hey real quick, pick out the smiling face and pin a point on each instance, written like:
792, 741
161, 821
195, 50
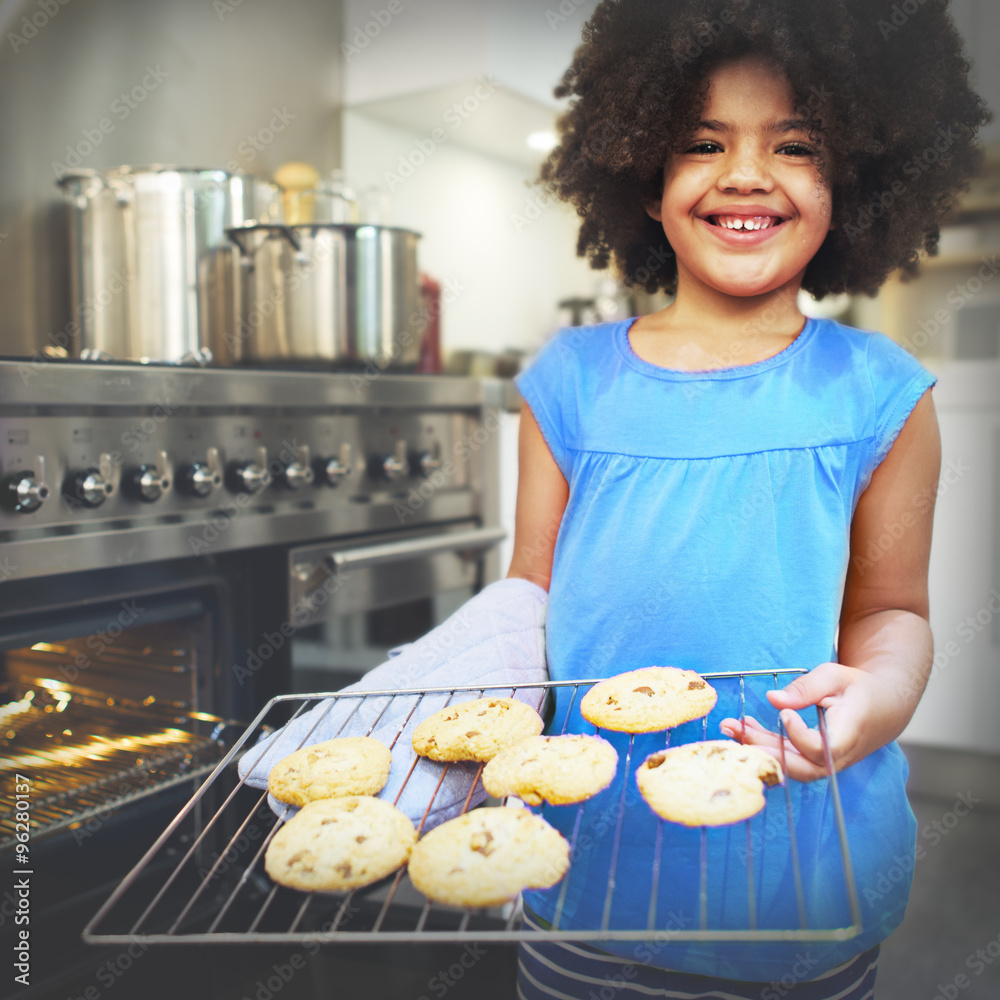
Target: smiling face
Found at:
744, 206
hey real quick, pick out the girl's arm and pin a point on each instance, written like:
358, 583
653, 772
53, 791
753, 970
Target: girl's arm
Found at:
885, 644
542, 492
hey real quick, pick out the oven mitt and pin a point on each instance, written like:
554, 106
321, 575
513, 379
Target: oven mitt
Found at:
496, 640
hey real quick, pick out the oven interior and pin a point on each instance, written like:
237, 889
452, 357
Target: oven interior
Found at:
107, 717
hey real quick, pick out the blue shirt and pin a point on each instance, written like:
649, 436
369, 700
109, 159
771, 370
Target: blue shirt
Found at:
708, 528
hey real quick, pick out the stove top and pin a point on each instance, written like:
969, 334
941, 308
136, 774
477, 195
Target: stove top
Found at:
104, 462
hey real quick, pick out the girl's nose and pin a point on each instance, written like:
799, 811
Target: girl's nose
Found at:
745, 174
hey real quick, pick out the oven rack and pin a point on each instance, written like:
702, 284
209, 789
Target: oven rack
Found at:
88, 762
196, 904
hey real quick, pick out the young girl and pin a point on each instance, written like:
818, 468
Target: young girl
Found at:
728, 485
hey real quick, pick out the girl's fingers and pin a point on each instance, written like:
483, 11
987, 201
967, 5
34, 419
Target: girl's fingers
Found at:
821, 682
734, 728
797, 765
807, 741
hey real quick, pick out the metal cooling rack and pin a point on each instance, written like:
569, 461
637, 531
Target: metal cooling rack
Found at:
223, 895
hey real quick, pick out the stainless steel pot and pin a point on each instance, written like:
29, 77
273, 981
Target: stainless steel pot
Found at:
154, 277
342, 293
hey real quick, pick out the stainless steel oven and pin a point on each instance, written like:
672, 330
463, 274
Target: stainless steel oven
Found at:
176, 547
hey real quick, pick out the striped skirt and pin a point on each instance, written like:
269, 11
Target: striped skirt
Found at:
560, 970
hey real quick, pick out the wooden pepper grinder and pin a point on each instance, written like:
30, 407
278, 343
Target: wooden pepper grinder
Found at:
298, 181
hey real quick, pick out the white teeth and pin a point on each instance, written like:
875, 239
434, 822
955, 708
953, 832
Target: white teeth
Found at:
753, 224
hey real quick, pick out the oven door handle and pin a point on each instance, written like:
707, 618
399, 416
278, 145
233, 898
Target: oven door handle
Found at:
373, 555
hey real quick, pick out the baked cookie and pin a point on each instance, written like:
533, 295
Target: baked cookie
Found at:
340, 844
349, 765
476, 730
487, 856
557, 769
707, 784
648, 700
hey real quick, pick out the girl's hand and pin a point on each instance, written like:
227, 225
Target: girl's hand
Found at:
858, 705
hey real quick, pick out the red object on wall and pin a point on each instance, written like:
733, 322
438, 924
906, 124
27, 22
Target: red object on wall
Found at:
430, 337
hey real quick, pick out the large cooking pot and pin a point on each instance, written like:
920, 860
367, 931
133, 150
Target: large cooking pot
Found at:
154, 277
343, 293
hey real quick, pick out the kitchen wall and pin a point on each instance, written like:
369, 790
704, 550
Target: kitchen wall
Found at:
211, 83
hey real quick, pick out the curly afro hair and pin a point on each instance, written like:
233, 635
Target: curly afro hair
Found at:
883, 86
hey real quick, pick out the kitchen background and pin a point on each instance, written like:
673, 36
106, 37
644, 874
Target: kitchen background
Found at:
426, 106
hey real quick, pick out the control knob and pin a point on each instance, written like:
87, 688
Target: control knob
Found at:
430, 461
392, 468
201, 478
92, 486
332, 470
24, 492
299, 473
251, 477
149, 482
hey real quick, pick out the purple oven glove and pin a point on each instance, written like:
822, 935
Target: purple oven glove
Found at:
496, 640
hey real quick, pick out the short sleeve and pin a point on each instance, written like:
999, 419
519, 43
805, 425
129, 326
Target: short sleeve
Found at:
898, 381
542, 384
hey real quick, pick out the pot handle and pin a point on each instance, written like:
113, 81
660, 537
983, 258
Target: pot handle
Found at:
81, 197
242, 237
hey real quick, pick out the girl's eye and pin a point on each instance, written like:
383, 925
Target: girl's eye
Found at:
797, 149
705, 146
